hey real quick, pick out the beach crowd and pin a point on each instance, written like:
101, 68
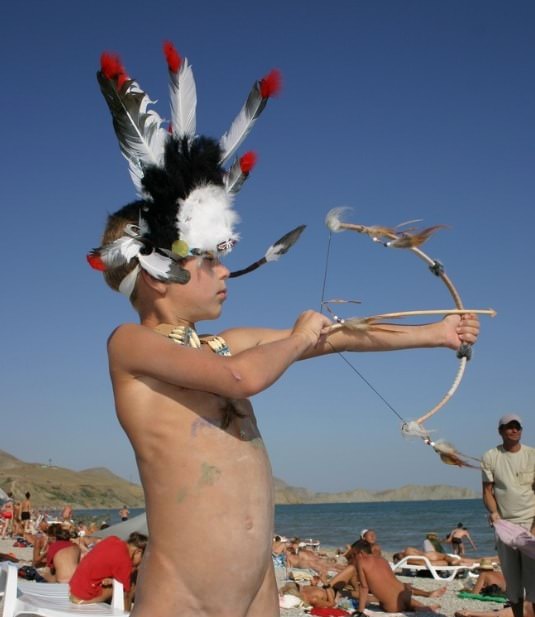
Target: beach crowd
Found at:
311, 580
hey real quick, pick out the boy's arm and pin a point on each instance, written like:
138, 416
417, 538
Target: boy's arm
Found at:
449, 333
137, 351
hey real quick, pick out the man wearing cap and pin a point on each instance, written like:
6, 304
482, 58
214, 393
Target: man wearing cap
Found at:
508, 493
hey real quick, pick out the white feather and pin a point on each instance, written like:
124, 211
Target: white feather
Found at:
334, 218
183, 93
206, 219
158, 266
128, 284
120, 251
274, 252
413, 429
147, 143
243, 123
139, 130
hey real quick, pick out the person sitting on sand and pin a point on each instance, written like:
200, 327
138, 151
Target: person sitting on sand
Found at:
112, 558
40, 543
369, 536
62, 556
375, 577
346, 582
432, 543
278, 551
488, 578
502, 612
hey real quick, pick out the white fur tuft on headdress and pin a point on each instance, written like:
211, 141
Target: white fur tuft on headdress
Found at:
206, 220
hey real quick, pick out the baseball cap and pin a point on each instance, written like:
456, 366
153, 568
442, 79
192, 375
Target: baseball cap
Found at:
509, 417
363, 533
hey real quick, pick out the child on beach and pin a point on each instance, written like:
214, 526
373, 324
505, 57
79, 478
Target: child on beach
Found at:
112, 558
183, 399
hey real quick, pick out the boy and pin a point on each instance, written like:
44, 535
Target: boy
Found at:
183, 400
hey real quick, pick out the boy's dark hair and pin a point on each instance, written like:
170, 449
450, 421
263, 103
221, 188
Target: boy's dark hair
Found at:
139, 540
27, 494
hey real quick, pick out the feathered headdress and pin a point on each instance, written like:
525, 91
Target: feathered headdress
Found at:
186, 195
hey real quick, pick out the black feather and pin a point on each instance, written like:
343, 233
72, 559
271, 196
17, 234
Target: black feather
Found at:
187, 165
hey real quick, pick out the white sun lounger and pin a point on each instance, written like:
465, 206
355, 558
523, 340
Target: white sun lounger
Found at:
50, 599
440, 573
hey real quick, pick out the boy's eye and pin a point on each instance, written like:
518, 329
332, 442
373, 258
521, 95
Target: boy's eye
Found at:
211, 258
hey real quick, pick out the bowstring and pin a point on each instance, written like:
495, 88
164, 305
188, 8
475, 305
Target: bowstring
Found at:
342, 356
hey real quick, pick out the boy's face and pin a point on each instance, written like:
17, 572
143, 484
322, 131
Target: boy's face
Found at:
203, 295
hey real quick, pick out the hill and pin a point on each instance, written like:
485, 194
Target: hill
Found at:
52, 486
98, 487
285, 494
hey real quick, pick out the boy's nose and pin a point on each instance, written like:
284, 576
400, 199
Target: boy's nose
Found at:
225, 272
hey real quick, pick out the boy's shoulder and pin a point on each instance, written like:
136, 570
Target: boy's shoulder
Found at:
124, 330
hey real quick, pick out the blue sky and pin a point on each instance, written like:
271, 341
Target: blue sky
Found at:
419, 109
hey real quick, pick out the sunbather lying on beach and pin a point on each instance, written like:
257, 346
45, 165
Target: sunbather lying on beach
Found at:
502, 612
305, 558
317, 596
375, 577
435, 558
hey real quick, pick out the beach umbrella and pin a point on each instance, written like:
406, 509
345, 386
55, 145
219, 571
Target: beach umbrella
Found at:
125, 528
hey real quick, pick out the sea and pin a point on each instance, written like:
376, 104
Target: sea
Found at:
398, 524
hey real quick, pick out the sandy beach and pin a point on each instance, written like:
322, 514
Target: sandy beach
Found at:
449, 602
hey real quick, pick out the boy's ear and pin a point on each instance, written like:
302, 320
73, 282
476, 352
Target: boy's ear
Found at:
152, 283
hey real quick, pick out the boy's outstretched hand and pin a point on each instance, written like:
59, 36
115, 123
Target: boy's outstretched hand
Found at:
312, 326
460, 329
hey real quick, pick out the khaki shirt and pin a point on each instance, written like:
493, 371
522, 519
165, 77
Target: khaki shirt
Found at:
513, 477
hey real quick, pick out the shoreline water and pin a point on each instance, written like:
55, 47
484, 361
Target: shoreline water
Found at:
398, 524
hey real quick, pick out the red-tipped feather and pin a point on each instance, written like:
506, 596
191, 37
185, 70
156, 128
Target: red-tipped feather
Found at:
270, 85
94, 260
248, 161
113, 69
172, 56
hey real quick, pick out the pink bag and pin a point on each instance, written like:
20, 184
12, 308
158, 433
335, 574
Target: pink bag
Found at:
515, 536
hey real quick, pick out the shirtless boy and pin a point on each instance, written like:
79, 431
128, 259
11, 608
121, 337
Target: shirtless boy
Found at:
184, 402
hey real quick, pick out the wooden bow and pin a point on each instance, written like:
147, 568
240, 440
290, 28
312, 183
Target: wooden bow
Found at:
412, 240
